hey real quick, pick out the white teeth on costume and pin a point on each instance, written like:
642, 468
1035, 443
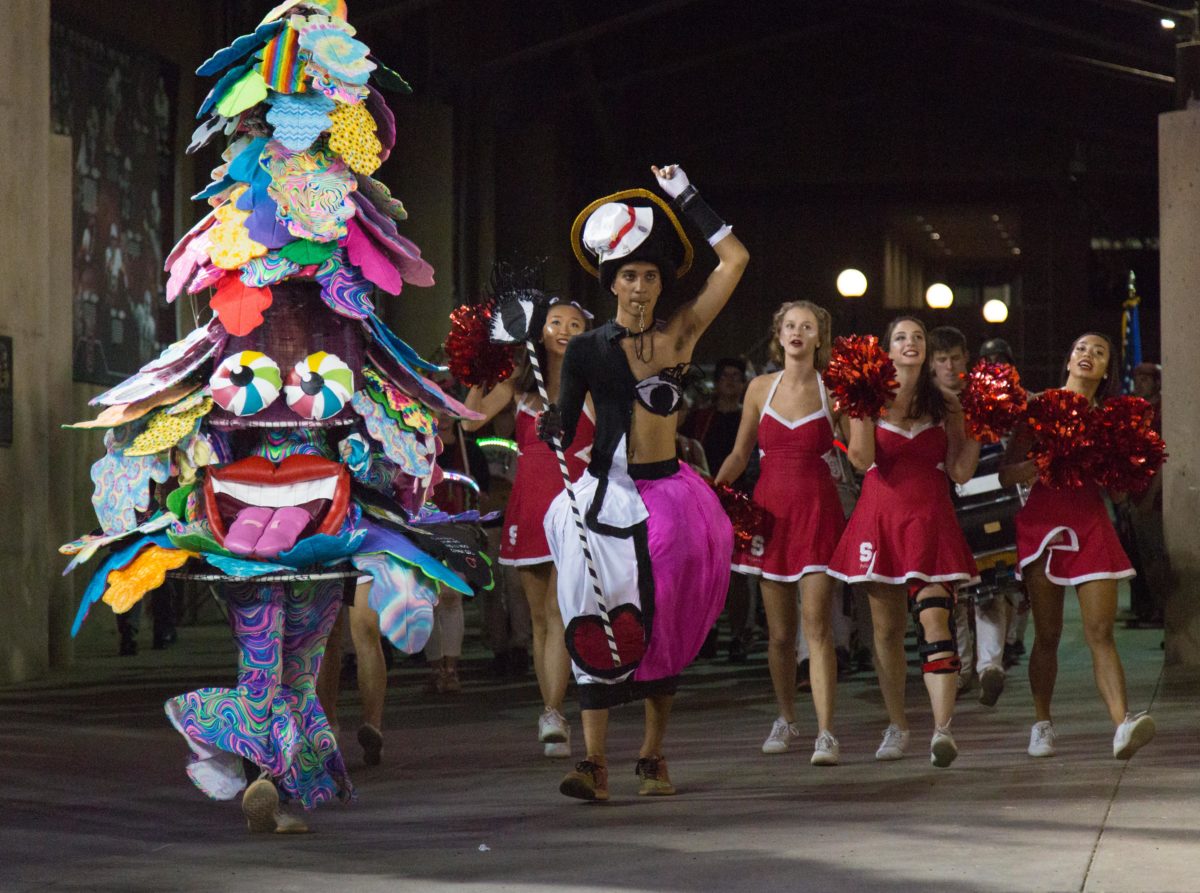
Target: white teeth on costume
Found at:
277, 495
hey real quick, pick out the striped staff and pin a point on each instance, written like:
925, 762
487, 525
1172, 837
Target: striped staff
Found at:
512, 321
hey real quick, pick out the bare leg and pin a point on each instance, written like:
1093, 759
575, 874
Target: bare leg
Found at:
942, 687
779, 602
816, 602
1098, 606
889, 617
595, 734
658, 711
536, 581
1046, 605
329, 680
372, 669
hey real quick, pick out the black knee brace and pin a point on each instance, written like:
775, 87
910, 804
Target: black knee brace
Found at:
941, 665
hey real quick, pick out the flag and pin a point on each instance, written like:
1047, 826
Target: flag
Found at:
1131, 336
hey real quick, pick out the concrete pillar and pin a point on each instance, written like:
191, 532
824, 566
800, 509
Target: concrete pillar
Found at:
25, 316
1179, 210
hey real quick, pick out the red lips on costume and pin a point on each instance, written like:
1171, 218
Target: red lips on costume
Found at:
243, 495
588, 646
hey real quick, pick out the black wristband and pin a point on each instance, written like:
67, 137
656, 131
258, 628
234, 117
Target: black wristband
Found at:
696, 209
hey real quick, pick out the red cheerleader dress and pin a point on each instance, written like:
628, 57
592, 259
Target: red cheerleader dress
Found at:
904, 527
797, 488
1073, 528
538, 481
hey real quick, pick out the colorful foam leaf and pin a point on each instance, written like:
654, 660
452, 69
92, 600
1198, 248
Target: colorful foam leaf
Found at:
306, 251
239, 306
248, 92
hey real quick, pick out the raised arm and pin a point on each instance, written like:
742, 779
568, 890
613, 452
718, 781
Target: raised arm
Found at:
693, 318
739, 457
491, 404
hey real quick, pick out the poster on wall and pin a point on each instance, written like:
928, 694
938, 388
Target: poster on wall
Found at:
6, 391
117, 105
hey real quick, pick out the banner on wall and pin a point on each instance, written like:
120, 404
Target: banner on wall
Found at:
118, 106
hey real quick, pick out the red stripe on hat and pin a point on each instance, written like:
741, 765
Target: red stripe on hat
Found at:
624, 231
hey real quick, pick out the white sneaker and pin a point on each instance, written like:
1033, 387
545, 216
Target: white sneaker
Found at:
783, 733
825, 750
1132, 734
1041, 739
556, 749
895, 742
552, 727
942, 748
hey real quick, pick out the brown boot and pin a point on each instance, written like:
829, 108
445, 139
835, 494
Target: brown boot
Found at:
587, 781
260, 806
655, 780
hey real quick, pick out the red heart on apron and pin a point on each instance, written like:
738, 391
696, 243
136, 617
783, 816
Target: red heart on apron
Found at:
588, 645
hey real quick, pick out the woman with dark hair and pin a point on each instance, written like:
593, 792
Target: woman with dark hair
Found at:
903, 539
1065, 538
538, 480
642, 596
788, 415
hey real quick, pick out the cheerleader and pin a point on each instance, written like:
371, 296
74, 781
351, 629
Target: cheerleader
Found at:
903, 539
788, 414
1065, 538
657, 540
538, 480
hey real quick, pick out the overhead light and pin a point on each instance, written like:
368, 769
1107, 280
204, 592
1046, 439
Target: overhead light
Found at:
935, 236
851, 283
995, 218
1168, 24
995, 311
939, 296
1015, 250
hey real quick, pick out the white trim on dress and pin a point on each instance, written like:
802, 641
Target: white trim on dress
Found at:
777, 578
1048, 550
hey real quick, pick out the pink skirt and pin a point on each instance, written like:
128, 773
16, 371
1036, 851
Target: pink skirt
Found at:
689, 538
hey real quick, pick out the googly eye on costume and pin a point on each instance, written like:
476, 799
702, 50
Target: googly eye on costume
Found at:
246, 383
319, 386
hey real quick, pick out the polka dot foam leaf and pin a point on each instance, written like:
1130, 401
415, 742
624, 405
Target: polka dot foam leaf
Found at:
165, 430
353, 137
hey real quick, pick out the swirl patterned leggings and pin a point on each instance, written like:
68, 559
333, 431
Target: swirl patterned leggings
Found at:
272, 717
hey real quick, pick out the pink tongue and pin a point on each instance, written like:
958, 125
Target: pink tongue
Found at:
282, 531
246, 529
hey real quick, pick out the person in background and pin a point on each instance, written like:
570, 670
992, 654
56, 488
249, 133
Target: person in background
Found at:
980, 644
997, 350
1065, 538
444, 648
538, 481
715, 427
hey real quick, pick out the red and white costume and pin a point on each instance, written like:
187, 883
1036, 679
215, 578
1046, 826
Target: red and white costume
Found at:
1073, 525
797, 488
904, 528
537, 482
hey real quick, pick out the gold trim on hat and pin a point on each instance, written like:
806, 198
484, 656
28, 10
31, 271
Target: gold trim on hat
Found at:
581, 219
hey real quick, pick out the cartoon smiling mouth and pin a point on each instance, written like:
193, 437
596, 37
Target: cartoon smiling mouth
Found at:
259, 509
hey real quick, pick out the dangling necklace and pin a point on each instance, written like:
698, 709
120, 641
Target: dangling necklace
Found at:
639, 346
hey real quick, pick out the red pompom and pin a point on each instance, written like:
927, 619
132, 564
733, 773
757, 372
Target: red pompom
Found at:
1063, 424
860, 376
993, 401
473, 359
1129, 452
748, 517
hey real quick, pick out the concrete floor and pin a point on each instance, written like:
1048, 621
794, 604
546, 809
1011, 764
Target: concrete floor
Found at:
95, 798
